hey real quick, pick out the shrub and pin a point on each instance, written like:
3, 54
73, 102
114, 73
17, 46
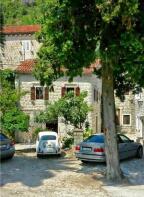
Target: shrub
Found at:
68, 142
87, 133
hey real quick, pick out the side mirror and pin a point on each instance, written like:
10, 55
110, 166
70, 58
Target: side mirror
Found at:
132, 141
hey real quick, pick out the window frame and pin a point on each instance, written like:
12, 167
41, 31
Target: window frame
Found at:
26, 45
129, 120
39, 97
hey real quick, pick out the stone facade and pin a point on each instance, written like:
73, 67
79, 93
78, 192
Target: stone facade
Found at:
139, 111
20, 44
125, 112
87, 83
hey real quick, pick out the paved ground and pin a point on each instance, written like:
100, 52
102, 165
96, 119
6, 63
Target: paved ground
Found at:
27, 176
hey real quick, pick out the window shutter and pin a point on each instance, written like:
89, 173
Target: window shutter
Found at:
46, 93
32, 93
94, 95
77, 91
63, 91
118, 117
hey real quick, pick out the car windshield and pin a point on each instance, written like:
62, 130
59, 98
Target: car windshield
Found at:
95, 138
2, 137
48, 137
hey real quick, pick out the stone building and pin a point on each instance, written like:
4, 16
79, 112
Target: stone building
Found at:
139, 111
125, 115
20, 44
38, 97
19, 54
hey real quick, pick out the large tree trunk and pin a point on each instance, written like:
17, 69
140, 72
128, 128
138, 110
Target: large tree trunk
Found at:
111, 148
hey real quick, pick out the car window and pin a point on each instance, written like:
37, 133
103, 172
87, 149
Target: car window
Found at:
2, 137
95, 138
48, 137
124, 139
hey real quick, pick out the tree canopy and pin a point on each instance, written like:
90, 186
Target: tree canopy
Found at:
74, 33
74, 110
19, 12
12, 118
84, 31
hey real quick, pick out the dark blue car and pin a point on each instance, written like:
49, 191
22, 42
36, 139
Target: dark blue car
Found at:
7, 148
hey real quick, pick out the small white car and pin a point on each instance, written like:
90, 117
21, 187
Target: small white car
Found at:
48, 143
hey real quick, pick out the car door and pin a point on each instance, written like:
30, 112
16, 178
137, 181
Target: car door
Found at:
126, 147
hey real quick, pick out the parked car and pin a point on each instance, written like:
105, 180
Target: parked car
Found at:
93, 149
7, 148
48, 143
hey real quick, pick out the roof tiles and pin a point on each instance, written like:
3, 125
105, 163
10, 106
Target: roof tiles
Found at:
21, 29
26, 67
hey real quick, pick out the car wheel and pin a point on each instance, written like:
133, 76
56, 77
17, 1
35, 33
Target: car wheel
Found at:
38, 156
83, 161
10, 157
140, 152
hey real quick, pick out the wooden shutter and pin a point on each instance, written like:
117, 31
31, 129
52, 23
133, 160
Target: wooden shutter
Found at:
117, 118
77, 91
33, 93
94, 95
63, 91
46, 95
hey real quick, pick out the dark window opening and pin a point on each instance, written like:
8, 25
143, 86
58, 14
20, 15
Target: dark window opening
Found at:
126, 119
39, 92
70, 90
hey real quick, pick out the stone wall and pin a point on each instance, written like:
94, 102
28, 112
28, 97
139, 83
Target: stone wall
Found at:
139, 106
13, 52
126, 108
86, 83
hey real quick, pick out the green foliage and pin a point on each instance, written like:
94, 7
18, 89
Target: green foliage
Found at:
2, 37
67, 142
14, 120
87, 133
18, 13
50, 115
74, 33
74, 109
9, 96
68, 38
36, 131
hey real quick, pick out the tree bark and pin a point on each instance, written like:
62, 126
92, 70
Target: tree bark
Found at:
111, 147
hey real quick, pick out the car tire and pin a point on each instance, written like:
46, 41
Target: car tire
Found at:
140, 152
10, 157
38, 156
84, 162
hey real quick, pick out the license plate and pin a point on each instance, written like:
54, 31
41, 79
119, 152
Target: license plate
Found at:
86, 148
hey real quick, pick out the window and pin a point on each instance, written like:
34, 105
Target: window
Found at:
2, 137
26, 45
124, 139
48, 137
69, 90
126, 119
95, 138
39, 92
65, 90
